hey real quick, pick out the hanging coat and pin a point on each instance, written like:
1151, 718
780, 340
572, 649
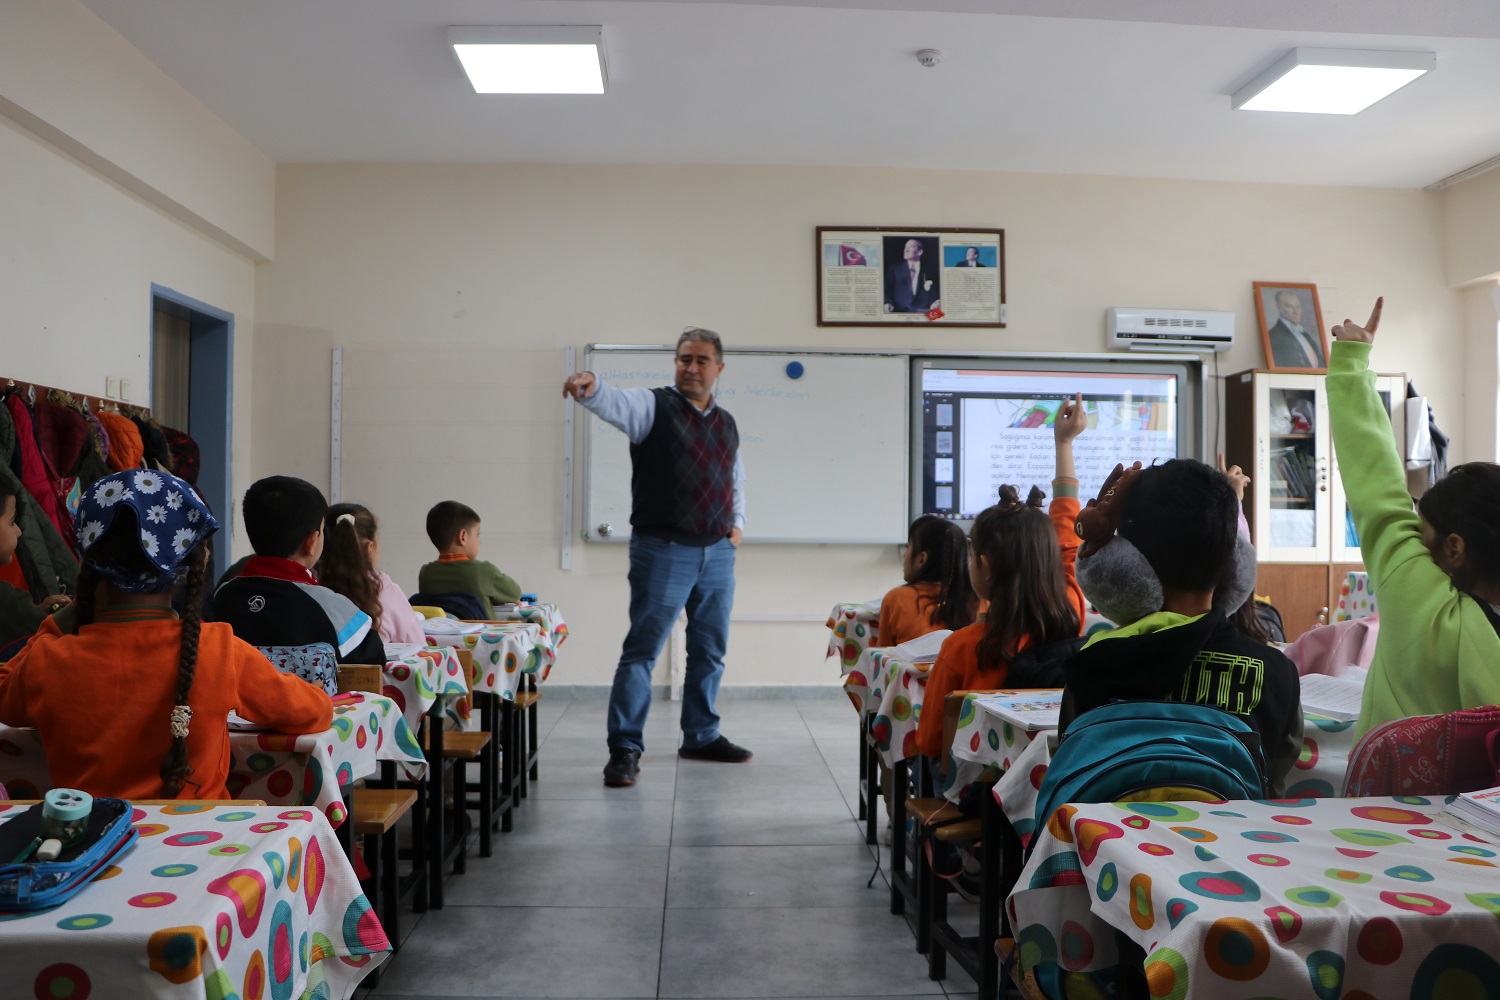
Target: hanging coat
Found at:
46, 560
37, 475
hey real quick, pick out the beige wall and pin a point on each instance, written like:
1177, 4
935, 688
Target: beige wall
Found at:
1471, 220
455, 289
87, 127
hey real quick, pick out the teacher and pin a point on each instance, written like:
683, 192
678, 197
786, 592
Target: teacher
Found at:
687, 511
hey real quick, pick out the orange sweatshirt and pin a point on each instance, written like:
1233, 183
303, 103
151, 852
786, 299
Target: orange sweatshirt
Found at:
907, 612
102, 701
957, 667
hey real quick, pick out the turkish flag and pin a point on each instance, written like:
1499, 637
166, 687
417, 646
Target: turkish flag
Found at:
852, 257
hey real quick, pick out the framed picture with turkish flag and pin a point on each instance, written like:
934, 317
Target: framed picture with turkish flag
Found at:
888, 276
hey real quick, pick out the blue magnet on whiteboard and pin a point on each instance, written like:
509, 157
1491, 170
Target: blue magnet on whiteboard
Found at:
794, 369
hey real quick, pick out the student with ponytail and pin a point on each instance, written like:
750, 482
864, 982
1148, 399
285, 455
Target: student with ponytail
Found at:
1021, 562
135, 703
350, 566
936, 593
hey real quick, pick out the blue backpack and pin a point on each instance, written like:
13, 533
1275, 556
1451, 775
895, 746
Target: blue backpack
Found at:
1155, 750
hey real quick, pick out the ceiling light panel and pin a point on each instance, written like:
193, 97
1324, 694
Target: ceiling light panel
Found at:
1331, 81
532, 59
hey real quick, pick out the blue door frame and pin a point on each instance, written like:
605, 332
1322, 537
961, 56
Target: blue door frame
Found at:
210, 409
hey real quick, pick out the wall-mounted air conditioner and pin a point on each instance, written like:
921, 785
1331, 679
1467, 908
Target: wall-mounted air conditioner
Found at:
1169, 329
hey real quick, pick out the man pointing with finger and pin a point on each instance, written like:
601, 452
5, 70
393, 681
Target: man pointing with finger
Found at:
687, 513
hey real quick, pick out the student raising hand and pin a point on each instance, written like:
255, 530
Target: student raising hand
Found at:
1348, 330
1236, 477
1071, 420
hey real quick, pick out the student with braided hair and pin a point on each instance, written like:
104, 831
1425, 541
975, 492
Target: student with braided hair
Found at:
936, 593
1020, 562
135, 702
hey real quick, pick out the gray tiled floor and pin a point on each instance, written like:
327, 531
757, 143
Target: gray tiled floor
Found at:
705, 880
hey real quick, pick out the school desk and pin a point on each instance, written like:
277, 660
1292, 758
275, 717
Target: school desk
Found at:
855, 628
1317, 773
1301, 899
312, 769
211, 902
554, 630
503, 652
415, 677
888, 692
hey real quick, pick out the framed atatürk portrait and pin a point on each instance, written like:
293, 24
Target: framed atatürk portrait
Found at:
884, 276
1291, 326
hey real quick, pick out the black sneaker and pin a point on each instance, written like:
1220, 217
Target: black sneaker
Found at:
719, 749
622, 767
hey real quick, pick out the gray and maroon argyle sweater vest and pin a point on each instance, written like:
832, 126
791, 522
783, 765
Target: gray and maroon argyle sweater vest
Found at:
682, 474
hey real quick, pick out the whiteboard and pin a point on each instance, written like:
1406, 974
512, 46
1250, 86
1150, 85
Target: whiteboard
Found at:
825, 454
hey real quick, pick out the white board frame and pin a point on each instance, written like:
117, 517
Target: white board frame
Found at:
588, 532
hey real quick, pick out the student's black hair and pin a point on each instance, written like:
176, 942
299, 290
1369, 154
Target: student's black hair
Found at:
1028, 591
120, 547
947, 566
7, 491
345, 566
1466, 503
280, 511
446, 519
1247, 620
1183, 516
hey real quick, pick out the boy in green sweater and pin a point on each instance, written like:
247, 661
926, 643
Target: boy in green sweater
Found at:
454, 529
1436, 569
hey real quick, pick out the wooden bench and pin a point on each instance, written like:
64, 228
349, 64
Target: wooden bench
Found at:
374, 814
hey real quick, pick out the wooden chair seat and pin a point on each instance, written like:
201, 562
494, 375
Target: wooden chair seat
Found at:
932, 810
462, 744
964, 830
525, 699
376, 810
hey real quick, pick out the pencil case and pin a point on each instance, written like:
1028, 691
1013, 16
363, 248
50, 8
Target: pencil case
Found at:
39, 885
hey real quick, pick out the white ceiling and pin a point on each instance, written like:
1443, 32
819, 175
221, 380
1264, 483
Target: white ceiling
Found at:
1122, 87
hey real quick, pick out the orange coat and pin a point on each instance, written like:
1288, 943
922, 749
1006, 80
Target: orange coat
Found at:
908, 611
102, 702
957, 667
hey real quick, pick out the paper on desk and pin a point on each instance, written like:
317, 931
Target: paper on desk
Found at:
451, 626
401, 650
240, 724
1331, 697
1031, 710
871, 607
922, 649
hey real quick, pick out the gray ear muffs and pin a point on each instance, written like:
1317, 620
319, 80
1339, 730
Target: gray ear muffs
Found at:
1237, 585
1119, 582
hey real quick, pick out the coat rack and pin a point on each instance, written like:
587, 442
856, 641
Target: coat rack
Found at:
91, 404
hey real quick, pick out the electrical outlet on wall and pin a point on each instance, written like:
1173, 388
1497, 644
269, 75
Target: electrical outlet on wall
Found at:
111, 387
124, 388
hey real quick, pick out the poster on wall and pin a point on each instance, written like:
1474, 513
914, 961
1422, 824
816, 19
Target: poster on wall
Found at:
885, 276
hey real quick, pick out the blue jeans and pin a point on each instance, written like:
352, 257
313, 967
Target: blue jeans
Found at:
665, 578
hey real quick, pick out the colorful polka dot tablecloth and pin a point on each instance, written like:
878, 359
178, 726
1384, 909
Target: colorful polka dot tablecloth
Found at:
1355, 598
1317, 773
984, 746
889, 691
211, 903
1301, 899
855, 628
419, 676
307, 770
503, 653
554, 631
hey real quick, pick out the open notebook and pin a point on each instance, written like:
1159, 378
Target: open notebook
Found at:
1032, 710
922, 649
1336, 698
451, 626
1478, 809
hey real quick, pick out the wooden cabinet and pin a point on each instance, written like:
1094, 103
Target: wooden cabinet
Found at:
1276, 428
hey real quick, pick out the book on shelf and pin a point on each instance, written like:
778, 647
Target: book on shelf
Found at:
922, 649
1480, 810
1032, 710
1336, 698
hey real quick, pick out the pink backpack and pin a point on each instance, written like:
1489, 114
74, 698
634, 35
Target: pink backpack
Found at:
1427, 755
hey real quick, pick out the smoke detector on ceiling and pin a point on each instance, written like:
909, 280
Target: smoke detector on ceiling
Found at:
929, 57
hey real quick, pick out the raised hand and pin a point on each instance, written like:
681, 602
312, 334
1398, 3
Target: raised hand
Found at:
579, 385
1348, 330
1236, 476
1071, 420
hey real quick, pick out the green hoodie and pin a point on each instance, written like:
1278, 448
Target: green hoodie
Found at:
1437, 652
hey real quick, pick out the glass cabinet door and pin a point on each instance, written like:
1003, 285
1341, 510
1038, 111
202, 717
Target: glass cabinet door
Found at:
1344, 539
1292, 472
